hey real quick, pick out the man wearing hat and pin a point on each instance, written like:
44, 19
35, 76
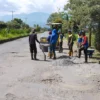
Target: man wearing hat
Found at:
32, 43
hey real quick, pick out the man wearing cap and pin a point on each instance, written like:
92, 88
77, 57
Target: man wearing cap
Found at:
32, 44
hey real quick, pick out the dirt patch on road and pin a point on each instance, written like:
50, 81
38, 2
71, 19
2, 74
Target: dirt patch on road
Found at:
53, 79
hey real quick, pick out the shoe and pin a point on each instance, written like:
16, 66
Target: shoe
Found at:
72, 54
85, 62
48, 54
69, 53
32, 58
36, 59
70, 57
35, 56
54, 58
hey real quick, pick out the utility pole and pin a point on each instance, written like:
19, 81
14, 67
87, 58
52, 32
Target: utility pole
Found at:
25, 22
12, 14
12, 17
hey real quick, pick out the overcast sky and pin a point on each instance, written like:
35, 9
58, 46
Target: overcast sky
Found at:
29, 6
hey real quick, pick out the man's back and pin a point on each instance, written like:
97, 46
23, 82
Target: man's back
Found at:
32, 38
54, 36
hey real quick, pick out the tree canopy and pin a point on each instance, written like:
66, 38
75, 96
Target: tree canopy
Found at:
86, 13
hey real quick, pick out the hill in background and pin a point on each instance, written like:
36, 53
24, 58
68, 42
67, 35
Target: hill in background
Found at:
31, 19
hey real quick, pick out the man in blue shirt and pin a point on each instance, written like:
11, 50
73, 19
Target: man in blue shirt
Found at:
53, 41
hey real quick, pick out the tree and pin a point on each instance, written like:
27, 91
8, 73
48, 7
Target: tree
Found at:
18, 21
13, 24
2, 25
95, 16
17, 24
37, 27
86, 13
53, 17
60, 17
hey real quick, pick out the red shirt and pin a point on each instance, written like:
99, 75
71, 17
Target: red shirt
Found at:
85, 39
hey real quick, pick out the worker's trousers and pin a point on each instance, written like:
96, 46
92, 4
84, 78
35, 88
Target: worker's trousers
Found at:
85, 53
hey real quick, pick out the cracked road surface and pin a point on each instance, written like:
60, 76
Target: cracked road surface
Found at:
61, 79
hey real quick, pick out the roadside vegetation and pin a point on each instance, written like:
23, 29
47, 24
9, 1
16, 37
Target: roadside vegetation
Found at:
13, 29
16, 28
80, 15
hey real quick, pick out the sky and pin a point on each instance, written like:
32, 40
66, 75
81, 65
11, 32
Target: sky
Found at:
30, 6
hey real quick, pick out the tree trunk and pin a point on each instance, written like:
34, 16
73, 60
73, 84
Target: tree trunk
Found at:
97, 37
90, 33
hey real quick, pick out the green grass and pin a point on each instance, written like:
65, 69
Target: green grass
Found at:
10, 36
4, 35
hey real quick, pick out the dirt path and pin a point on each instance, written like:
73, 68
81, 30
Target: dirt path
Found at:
61, 79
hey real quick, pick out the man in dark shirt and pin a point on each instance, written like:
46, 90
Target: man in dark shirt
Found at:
70, 43
32, 43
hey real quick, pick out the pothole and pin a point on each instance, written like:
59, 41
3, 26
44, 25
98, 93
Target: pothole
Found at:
10, 96
14, 52
63, 62
52, 79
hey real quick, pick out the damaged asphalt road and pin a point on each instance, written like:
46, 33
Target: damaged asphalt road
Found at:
61, 79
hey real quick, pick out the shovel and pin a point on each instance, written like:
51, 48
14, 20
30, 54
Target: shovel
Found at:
41, 47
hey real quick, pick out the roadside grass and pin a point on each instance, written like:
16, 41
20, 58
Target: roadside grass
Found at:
11, 36
13, 33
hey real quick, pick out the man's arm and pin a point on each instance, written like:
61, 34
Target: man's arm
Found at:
29, 39
37, 39
48, 38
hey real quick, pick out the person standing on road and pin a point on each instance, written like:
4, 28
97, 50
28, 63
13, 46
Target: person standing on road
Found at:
32, 44
70, 43
60, 42
48, 39
84, 46
79, 42
53, 41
